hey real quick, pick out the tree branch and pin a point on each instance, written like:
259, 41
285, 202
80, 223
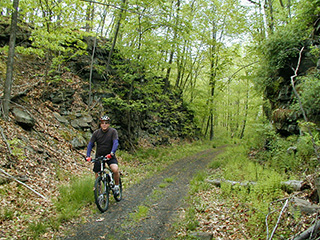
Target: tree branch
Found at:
254, 2
248, 65
7, 175
111, 5
276, 226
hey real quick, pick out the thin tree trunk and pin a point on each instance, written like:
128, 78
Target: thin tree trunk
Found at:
246, 107
115, 36
89, 18
207, 126
212, 80
91, 64
91, 70
11, 177
167, 82
12, 43
269, 3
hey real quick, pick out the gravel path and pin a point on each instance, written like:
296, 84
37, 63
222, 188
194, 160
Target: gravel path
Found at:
160, 197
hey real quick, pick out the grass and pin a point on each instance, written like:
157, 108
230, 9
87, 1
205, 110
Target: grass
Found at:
235, 165
169, 179
140, 214
73, 197
37, 228
266, 190
189, 222
146, 162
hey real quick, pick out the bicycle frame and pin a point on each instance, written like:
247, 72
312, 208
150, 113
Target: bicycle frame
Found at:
103, 171
105, 179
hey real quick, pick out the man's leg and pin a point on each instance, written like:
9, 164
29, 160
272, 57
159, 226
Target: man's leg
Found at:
115, 169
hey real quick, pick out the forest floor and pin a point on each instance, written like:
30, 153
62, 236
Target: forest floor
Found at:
148, 209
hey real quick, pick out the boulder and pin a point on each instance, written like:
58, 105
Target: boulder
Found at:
82, 122
23, 118
60, 118
79, 142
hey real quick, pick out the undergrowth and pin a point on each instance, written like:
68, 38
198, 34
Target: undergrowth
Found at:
252, 176
264, 186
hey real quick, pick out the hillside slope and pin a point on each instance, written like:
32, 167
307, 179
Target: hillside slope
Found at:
48, 152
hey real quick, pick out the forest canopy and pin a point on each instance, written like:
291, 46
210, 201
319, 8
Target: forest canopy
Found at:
228, 59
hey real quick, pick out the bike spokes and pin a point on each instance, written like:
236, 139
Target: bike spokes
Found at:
101, 194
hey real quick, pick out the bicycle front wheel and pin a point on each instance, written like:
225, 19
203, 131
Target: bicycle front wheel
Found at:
101, 194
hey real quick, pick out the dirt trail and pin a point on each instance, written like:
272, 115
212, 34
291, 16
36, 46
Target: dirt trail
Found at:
162, 199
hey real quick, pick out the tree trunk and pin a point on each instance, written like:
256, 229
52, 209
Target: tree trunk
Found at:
115, 36
12, 43
212, 80
246, 107
173, 48
89, 16
269, 4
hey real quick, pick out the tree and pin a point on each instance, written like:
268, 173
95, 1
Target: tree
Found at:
115, 37
10, 62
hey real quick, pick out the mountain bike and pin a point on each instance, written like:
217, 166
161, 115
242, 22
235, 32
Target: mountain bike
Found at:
104, 184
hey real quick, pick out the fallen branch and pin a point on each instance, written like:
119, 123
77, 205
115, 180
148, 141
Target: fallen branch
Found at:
288, 186
309, 232
279, 218
217, 182
5, 140
7, 175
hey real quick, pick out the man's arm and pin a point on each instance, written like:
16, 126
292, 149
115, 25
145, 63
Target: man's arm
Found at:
89, 148
114, 146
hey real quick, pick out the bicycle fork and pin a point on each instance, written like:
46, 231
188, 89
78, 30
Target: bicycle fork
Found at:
110, 180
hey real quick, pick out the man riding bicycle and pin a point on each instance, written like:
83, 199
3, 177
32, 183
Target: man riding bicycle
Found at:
106, 139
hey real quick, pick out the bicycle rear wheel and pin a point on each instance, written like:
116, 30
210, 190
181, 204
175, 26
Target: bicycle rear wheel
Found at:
118, 197
101, 194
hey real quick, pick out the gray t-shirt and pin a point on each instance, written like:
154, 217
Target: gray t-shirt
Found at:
104, 140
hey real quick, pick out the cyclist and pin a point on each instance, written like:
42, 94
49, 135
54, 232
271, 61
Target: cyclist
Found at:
106, 140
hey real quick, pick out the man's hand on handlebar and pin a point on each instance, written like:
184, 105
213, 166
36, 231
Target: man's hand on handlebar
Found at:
109, 156
89, 159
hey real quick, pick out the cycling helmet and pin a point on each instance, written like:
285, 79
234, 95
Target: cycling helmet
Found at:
105, 118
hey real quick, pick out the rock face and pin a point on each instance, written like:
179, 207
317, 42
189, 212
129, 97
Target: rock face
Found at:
140, 107
280, 92
23, 34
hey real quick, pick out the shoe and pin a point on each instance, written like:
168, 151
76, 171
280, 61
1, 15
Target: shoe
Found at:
116, 190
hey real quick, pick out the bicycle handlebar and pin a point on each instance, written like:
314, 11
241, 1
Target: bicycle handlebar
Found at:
101, 158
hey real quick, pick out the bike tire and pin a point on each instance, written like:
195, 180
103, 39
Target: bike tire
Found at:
119, 196
101, 194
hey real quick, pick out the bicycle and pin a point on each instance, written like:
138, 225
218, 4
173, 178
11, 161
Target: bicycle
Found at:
104, 183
